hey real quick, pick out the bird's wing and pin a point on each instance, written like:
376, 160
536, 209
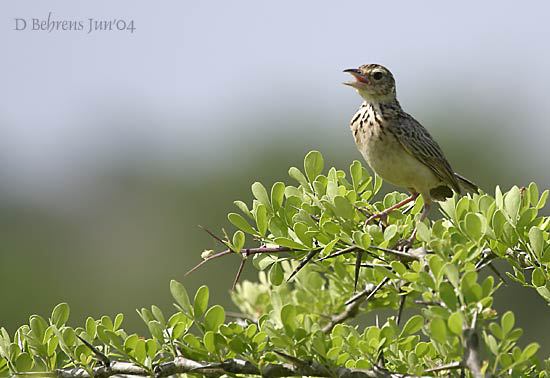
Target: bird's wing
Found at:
418, 142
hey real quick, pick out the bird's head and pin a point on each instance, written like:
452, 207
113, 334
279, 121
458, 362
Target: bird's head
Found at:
373, 82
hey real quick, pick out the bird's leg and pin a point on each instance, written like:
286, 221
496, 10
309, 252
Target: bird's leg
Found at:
384, 214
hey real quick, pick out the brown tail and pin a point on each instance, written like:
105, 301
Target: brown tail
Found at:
467, 184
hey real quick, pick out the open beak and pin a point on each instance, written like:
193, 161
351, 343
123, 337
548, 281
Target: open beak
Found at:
361, 81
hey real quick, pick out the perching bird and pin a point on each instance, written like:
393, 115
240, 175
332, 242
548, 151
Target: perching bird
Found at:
396, 146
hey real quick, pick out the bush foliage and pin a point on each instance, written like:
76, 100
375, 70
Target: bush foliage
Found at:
319, 268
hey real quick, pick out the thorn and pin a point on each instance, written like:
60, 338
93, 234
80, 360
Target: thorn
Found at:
100, 356
303, 263
216, 237
339, 253
220, 254
401, 306
241, 266
368, 293
358, 261
492, 267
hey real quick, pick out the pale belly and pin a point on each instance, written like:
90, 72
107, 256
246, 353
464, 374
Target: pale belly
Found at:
389, 160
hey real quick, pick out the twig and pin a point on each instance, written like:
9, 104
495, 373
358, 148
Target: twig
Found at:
428, 303
239, 271
401, 255
181, 365
350, 312
451, 366
248, 251
471, 354
239, 315
367, 292
303, 263
369, 265
216, 237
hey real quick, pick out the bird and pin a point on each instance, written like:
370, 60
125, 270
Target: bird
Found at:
397, 147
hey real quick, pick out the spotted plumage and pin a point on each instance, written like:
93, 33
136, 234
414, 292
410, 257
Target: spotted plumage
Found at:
396, 146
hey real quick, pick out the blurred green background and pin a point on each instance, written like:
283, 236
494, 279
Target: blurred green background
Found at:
114, 147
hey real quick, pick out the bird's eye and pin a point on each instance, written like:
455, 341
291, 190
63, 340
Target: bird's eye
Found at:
377, 75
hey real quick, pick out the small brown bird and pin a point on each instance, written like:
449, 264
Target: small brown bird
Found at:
396, 146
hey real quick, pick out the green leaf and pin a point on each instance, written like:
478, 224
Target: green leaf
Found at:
140, 352
107, 322
91, 327
455, 323
356, 171
238, 221
533, 194
344, 208
152, 347
179, 330
498, 221
529, 351
327, 250
542, 200
390, 232
289, 243
209, 342
448, 295
200, 303
277, 194
238, 241
180, 295
23, 362
438, 330
297, 175
474, 224
214, 317
288, 316
261, 219
512, 202
60, 314
242, 206
313, 165
260, 193
536, 240
452, 273
507, 322
423, 232
538, 277
544, 292
119, 318
413, 325
157, 313
156, 330
276, 274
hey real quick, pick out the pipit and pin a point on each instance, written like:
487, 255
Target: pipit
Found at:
396, 146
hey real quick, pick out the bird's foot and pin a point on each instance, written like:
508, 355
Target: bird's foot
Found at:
404, 245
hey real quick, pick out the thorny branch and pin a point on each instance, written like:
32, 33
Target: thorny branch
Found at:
182, 365
350, 311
